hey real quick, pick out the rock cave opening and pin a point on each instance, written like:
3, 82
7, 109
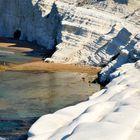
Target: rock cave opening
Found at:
17, 34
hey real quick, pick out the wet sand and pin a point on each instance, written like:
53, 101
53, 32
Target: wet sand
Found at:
37, 64
53, 67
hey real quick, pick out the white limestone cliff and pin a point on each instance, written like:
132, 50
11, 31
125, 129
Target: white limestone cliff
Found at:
110, 114
93, 32
128, 54
83, 31
37, 20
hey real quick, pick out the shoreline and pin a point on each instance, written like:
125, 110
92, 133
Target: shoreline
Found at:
51, 67
37, 64
55, 67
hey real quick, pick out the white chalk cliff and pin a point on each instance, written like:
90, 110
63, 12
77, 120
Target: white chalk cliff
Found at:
103, 33
110, 114
83, 31
37, 20
99, 33
94, 32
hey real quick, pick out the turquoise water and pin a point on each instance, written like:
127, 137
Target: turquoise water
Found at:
25, 96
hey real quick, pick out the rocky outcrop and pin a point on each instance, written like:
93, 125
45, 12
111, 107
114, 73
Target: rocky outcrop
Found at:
38, 21
110, 114
127, 54
81, 31
91, 36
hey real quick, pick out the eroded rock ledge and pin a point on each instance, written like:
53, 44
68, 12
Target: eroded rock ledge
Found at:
81, 31
98, 33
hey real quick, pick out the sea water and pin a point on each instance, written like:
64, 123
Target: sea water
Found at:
25, 96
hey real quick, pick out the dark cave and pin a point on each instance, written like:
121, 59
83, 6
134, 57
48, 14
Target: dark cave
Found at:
17, 34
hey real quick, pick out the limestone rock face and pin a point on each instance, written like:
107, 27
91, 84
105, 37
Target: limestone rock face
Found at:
128, 55
93, 30
83, 31
37, 20
110, 114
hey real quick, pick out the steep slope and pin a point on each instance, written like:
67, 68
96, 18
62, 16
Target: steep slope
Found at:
83, 31
37, 20
110, 114
91, 34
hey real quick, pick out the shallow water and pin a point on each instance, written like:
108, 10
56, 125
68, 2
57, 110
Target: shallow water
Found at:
15, 57
25, 96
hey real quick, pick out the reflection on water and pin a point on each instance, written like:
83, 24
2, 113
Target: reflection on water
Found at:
10, 56
26, 96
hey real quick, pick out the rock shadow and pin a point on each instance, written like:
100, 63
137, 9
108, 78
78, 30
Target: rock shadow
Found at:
52, 33
111, 47
121, 1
